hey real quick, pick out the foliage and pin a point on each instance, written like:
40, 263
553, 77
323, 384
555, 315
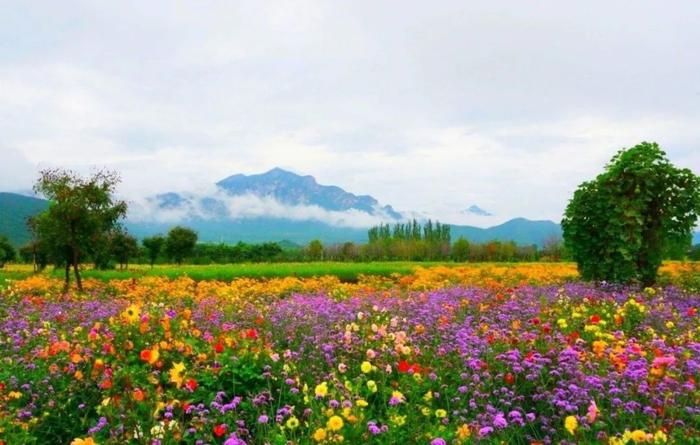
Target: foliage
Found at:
154, 245
180, 243
315, 250
619, 225
460, 250
123, 247
7, 252
80, 213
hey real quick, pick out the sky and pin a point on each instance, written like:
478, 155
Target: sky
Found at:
427, 106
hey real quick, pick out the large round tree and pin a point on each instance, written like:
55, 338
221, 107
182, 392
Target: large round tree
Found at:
618, 225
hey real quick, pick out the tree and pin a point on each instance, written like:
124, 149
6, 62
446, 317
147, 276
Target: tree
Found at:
80, 213
180, 243
123, 247
619, 225
153, 245
460, 249
694, 253
7, 252
315, 250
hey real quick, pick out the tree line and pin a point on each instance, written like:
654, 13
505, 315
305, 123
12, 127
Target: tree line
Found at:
618, 227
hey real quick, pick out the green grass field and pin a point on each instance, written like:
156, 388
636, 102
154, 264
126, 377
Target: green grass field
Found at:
225, 272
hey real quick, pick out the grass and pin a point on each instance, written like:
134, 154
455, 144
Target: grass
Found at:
348, 272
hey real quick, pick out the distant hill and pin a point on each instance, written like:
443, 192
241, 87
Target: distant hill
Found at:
16, 208
520, 230
14, 211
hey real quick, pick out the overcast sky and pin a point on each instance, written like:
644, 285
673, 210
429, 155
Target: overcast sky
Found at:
428, 106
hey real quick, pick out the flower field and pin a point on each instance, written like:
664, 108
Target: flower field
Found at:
444, 355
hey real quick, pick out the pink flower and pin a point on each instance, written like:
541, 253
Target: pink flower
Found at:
666, 360
592, 412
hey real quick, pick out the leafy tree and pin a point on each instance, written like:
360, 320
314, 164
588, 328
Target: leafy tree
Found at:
619, 225
315, 250
460, 249
123, 247
7, 252
34, 252
153, 245
80, 213
694, 253
180, 243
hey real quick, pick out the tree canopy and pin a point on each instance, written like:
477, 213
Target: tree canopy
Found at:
80, 213
619, 225
180, 243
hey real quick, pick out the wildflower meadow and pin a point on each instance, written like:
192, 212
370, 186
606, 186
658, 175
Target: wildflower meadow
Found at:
519, 355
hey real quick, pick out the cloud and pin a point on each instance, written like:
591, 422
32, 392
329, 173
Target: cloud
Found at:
429, 107
218, 205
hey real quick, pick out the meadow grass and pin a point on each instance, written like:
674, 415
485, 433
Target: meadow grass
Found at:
225, 272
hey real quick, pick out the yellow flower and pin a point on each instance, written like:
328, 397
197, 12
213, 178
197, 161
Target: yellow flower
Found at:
463, 432
335, 423
320, 435
292, 423
361, 403
440, 413
87, 441
570, 423
131, 313
366, 367
321, 389
638, 436
398, 420
428, 396
660, 437
176, 373
372, 385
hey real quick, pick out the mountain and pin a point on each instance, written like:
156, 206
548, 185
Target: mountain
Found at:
292, 189
476, 210
255, 230
520, 230
14, 211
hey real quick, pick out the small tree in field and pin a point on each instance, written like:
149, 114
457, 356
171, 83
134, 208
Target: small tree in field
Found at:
460, 249
180, 243
7, 252
153, 245
315, 250
619, 225
80, 213
123, 247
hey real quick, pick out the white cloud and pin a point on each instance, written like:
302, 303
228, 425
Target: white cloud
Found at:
426, 106
247, 206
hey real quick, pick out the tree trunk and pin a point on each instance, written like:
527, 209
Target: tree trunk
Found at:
67, 283
76, 269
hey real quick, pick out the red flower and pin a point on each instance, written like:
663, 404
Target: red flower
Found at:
219, 348
415, 368
535, 321
146, 355
404, 366
595, 318
220, 430
251, 333
191, 384
692, 311
509, 379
